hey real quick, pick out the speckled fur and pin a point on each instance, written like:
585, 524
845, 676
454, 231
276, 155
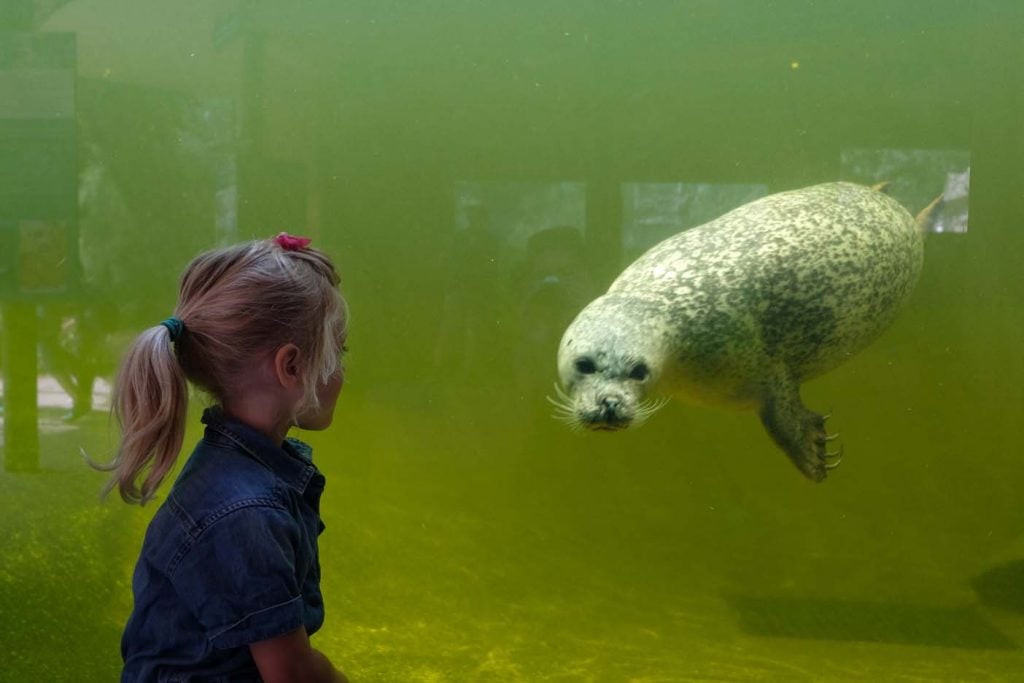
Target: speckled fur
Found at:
744, 308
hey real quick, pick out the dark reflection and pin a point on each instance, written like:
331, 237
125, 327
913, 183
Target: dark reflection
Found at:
69, 343
39, 256
515, 256
871, 622
554, 283
1002, 586
470, 323
51, 327
149, 176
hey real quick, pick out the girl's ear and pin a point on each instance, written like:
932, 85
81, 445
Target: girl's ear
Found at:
286, 366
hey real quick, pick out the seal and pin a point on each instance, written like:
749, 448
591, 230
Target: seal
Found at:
743, 309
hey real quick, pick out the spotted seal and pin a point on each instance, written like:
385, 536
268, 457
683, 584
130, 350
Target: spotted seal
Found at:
742, 310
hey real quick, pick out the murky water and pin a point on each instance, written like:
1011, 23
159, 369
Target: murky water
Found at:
480, 171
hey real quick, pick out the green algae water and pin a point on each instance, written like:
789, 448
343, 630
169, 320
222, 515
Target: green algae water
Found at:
480, 171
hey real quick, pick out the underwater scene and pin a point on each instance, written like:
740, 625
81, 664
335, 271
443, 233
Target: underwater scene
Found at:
785, 447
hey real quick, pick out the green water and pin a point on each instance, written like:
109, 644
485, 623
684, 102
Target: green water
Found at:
470, 537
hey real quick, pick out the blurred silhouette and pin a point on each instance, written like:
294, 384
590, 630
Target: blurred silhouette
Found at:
1001, 586
69, 345
74, 330
470, 328
555, 282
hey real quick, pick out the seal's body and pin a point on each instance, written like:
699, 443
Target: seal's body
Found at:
743, 309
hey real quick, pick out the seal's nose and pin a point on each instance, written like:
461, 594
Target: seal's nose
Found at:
609, 414
610, 405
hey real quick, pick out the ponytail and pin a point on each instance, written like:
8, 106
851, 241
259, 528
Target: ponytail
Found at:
151, 404
237, 303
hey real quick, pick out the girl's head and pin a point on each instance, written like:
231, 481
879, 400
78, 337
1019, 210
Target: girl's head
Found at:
238, 307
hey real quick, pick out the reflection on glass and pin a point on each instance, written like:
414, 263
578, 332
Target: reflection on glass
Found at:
477, 168
653, 211
509, 238
915, 177
517, 210
38, 227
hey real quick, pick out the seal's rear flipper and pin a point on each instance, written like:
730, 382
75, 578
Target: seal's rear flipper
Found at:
799, 432
926, 218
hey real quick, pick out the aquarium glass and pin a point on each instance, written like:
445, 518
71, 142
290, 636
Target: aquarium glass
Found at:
480, 171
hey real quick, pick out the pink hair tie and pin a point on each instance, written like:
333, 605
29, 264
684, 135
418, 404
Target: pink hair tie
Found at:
291, 242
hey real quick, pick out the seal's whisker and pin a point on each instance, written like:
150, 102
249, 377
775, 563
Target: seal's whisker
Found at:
560, 392
648, 408
557, 402
572, 421
562, 408
564, 411
653, 406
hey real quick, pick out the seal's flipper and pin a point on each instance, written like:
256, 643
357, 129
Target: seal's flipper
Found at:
799, 432
926, 218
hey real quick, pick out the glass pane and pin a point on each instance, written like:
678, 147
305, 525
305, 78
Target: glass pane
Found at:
497, 509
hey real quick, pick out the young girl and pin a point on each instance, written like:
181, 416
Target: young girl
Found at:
227, 587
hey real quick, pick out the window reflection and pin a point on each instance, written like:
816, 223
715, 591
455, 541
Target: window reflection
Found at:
915, 177
38, 219
652, 212
509, 238
482, 171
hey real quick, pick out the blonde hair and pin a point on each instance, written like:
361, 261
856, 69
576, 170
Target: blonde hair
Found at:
235, 303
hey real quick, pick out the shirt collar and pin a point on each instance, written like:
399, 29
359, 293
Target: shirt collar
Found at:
291, 461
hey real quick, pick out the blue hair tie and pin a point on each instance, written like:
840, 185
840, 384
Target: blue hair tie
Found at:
175, 327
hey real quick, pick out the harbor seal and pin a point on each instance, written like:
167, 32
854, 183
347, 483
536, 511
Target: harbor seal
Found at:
742, 310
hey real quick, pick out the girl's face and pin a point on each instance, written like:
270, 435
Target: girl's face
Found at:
321, 416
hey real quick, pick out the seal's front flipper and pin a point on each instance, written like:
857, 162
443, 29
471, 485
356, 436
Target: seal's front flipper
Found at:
799, 432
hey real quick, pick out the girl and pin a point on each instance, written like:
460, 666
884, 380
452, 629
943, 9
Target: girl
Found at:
227, 587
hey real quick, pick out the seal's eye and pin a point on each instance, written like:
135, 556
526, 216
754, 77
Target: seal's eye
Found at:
639, 372
585, 366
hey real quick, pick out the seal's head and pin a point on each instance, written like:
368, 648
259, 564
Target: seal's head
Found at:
608, 362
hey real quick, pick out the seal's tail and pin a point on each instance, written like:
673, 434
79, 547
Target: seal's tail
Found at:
927, 217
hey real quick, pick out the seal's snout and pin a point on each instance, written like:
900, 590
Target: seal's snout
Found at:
610, 413
610, 410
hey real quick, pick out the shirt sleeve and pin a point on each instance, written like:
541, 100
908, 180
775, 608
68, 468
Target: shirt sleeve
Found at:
238, 578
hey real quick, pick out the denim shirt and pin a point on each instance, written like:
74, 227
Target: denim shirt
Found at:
230, 558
